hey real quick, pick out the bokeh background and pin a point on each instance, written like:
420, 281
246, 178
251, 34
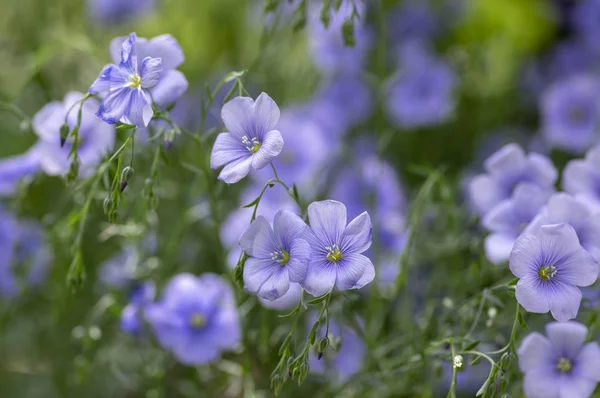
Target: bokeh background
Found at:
480, 69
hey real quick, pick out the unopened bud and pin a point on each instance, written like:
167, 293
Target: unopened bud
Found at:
169, 138
73, 172
127, 173
303, 373
323, 344
348, 32
64, 133
122, 186
107, 205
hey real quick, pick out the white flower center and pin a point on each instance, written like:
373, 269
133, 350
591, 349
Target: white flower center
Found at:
281, 256
135, 81
547, 272
251, 145
333, 253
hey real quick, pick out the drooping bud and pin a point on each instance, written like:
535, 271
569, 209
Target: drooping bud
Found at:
107, 205
348, 32
73, 172
323, 344
64, 134
169, 138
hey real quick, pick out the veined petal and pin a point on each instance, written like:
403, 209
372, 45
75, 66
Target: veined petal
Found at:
115, 104
564, 301
327, 220
236, 170
299, 259
247, 238
287, 227
566, 337
128, 55
238, 116
139, 110
150, 71
535, 351
320, 277
532, 295
525, 256
589, 361
357, 235
46, 123
351, 269
271, 146
275, 286
111, 77
558, 241
267, 112
265, 242
579, 268
166, 47
170, 87
227, 148
257, 271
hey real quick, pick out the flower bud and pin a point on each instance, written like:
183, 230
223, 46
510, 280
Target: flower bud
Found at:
64, 134
73, 172
348, 32
323, 344
169, 138
107, 205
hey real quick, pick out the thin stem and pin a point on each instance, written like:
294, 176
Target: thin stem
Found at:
452, 392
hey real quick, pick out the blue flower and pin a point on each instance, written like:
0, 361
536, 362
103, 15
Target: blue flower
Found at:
412, 20
345, 355
421, 94
336, 247
95, 138
277, 255
15, 169
551, 265
559, 365
288, 300
509, 218
171, 83
196, 319
142, 294
251, 141
570, 113
565, 208
585, 17
125, 87
119, 271
118, 11
581, 178
505, 169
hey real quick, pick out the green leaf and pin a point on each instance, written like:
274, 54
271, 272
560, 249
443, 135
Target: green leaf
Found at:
125, 126
522, 321
475, 361
231, 92
513, 282
319, 299
208, 92
234, 75
511, 292
253, 203
472, 345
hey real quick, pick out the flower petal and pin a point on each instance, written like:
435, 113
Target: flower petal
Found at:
275, 286
564, 301
257, 271
579, 177
588, 361
265, 242
357, 235
271, 146
498, 247
580, 269
227, 149
351, 269
238, 115
128, 55
542, 383
508, 159
139, 110
566, 337
168, 48
541, 170
288, 227
150, 71
535, 351
193, 349
327, 220
247, 238
169, 88
531, 295
484, 193
236, 170
115, 105
46, 123
575, 386
267, 112
525, 256
320, 277
299, 259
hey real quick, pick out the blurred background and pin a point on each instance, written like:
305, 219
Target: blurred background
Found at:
388, 98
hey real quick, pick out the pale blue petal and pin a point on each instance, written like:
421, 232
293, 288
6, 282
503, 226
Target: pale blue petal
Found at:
350, 271
588, 361
509, 159
111, 77
531, 295
288, 300
542, 382
265, 242
525, 256
574, 386
139, 110
535, 351
247, 238
227, 149
566, 337
541, 170
299, 258
287, 227
257, 272
170, 87
150, 71
271, 146
357, 235
579, 177
193, 350
115, 105
46, 123
238, 116
320, 277
579, 268
564, 301
267, 112
236, 170
275, 286
128, 55
484, 193
498, 247
166, 47
327, 220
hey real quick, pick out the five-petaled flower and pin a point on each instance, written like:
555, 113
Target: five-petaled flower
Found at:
278, 255
251, 141
336, 247
125, 87
551, 265
560, 365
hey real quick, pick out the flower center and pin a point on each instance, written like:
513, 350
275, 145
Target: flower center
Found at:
135, 81
251, 145
564, 365
547, 272
197, 321
333, 253
281, 256
576, 114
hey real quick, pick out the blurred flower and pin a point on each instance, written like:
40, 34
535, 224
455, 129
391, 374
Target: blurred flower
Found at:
570, 113
421, 94
120, 270
288, 300
505, 169
509, 218
95, 138
118, 11
412, 20
251, 141
15, 169
141, 295
560, 365
581, 178
336, 247
344, 356
126, 86
585, 17
551, 265
327, 44
171, 83
277, 255
196, 319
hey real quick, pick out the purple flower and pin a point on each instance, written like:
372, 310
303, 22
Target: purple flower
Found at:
560, 365
251, 141
171, 83
505, 169
120, 270
336, 247
196, 319
8, 239
141, 295
551, 265
570, 113
509, 218
118, 11
288, 300
585, 17
15, 169
125, 87
421, 94
345, 355
412, 20
581, 178
277, 255
565, 208
95, 138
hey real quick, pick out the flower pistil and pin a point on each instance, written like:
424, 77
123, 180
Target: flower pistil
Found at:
547, 272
